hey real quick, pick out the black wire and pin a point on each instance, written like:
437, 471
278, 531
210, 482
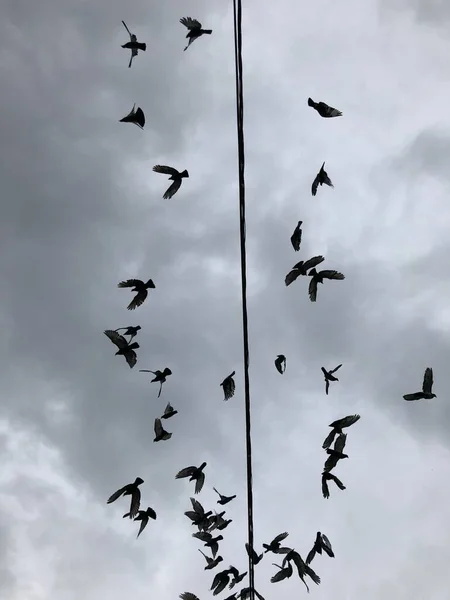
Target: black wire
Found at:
237, 9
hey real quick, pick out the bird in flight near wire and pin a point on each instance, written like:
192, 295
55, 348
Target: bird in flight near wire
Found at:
328, 375
140, 288
160, 376
175, 176
136, 117
280, 363
296, 237
125, 349
131, 489
324, 110
198, 516
275, 544
318, 277
228, 386
160, 433
195, 29
224, 499
211, 563
256, 558
143, 516
209, 541
195, 474
302, 268
133, 45
427, 386
321, 179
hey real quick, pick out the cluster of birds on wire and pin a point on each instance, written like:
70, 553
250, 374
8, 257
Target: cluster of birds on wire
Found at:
207, 523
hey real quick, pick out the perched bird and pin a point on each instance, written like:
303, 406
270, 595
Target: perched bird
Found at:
256, 558
169, 412
321, 178
280, 363
131, 489
195, 474
220, 582
188, 596
336, 453
302, 268
160, 433
318, 277
135, 116
324, 110
274, 545
302, 568
427, 386
209, 540
228, 386
237, 577
160, 376
140, 288
175, 176
327, 477
211, 563
143, 516
296, 237
125, 349
329, 377
133, 45
131, 331
224, 499
337, 427
195, 29
198, 516
321, 543
283, 573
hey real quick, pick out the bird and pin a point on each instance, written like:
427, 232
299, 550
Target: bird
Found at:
228, 386
220, 581
211, 563
337, 427
215, 520
280, 363
283, 573
336, 454
302, 268
131, 489
195, 474
224, 499
256, 558
223, 523
140, 288
246, 594
169, 412
321, 178
188, 596
143, 516
329, 377
324, 110
274, 545
198, 516
135, 116
195, 29
209, 540
160, 433
175, 176
321, 543
296, 237
125, 349
330, 477
160, 376
318, 277
237, 577
131, 331
133, 45
302, 568
427, 386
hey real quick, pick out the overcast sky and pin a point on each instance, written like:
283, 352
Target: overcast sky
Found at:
82, 210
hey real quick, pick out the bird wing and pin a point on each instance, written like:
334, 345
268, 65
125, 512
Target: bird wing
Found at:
278, 362
345, 421
116, 338
129, 32
131, 358
326, 545
336, 369
278, 576
326, 179
311, 555
339, 444
330, 111
172, 190
188, 596
325, 490
329, 439
280, 537
427, 381
292, 276
215, 549
327, 385
143, 526
415, 396
337, 481
158, 428
190, 23
204, 536
117, 494
330, 463
165, 169
168, 409
330, 274
313, 262
135, 502
187, 472
315, 185
130, 283
296, 238
138, 300
312, 290
140, 118
199, 483
197, 507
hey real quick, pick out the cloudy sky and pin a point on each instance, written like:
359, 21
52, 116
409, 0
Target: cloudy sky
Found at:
82, 210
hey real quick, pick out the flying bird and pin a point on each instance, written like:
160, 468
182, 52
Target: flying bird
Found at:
211, 563
135, 116
133, 45
198, 516
321, 543
188, 596
220, 582
302, 268
195, 29
274, 545
160, 433
321, 178
237, 577
336, 454
224, 499
160, 376
337, 427
329, 377
169, 412
330, 477
175, 176
283, 573
195, 474
131, 489
324, 110
131, 331
280, 363
228, 386
427, 386
256, 558
296, 237
125, 349
302, 568
140, 288
209, 540
318, 277
143, 516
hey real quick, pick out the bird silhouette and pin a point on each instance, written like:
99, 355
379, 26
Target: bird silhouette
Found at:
275, 546
169, 411
337, 427
296, 237
160, 376
211, 563
188, 596
220, 582
160, 433
136, 117
195, 29
175, 176
336, 454
321, 179
328, 375
330, 477
237, 577
131, 331
195, 474
256, 558
302, 268
140, 288
318, 277
321, 543
209, 540
302, 568
133, 45
131, 489
427, 386
280, 363
125, 349
283, 573
228, 386
224, 499
324, 110
143, 516
198, 516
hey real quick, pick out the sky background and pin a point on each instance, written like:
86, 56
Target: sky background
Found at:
82, 210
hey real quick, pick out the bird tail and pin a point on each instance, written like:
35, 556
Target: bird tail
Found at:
184, 174
142, 46
310, 102
208, 31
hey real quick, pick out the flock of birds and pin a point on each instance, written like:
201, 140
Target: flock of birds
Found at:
207, 522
